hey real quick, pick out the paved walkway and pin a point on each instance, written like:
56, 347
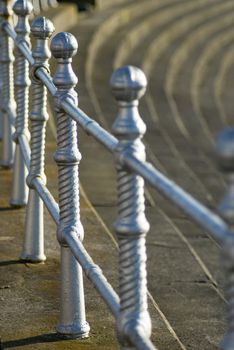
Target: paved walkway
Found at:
185, 48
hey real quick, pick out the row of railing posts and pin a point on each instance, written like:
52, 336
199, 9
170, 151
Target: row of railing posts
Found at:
128, 85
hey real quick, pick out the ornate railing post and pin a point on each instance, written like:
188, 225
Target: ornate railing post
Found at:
128, 85
225, 152
73, 318
8, 102
19, 196
33, 247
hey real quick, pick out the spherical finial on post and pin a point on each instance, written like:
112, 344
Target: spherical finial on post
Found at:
22, 8
64, 46
225, 155
42, 28
128, 85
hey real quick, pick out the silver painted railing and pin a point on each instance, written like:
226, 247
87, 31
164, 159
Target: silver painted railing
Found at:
27, 158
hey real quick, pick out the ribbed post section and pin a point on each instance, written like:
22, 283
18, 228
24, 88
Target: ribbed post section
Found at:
72, 317
19, 196
225, 153
8, 103
128, 85
33, 247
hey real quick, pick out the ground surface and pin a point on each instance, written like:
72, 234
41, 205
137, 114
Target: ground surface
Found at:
186, 49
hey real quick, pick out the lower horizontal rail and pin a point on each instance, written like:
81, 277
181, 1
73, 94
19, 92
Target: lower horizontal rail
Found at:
47, 198
207, 219
94, 273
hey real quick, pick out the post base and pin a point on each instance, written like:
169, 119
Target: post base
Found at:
34, 259
6, 164
74, 331
17, 203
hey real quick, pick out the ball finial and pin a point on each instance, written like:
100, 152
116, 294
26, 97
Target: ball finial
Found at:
64, 45
22, 7
42, 28
128, 83
225, 150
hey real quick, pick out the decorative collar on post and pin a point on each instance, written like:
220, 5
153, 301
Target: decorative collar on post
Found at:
225, 154
41, 29
128, 85
64, 46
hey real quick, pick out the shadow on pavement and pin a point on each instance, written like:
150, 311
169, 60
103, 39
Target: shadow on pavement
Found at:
43, 338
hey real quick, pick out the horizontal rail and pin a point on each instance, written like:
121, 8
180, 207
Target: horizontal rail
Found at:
92, 271
47, 198
193, 208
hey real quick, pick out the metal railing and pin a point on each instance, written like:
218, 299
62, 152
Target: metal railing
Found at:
128, 85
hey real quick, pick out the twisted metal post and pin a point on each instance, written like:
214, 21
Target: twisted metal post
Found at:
72, 317
19, 195
128, 85
225, 152
8, 103
33, 247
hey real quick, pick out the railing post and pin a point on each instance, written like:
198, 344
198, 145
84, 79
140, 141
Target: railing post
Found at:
33, 247
19, 195
128, 85
8, 103
72, 318
225, 152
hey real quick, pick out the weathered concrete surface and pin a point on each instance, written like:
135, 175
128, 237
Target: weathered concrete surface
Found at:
184, 48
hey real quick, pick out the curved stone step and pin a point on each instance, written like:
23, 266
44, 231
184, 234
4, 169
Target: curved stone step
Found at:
223, 86
183, 62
